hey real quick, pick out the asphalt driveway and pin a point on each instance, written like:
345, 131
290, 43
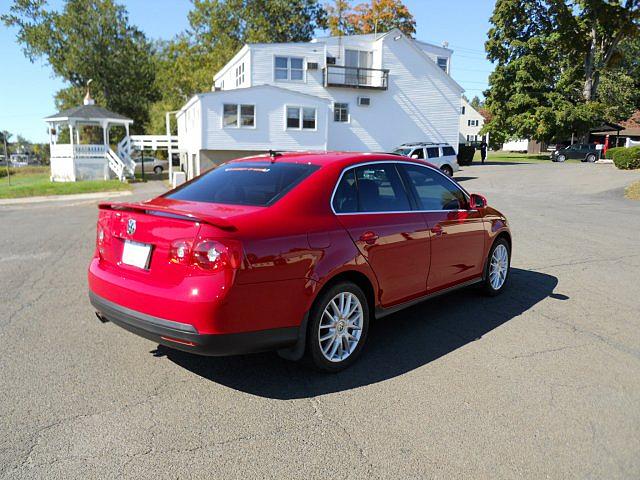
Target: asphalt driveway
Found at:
541, 382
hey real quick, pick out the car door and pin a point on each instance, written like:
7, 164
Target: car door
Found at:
418, 154
574, 151
433, 156
457, 232
372, 204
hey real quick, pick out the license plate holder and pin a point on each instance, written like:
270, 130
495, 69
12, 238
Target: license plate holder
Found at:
136, 254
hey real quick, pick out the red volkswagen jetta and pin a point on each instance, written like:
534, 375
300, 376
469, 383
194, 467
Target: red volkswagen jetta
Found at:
292, 252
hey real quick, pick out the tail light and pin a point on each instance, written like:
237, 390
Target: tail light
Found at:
100, 239
207, 254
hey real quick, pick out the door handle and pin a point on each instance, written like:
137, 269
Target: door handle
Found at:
437, 230
369, 237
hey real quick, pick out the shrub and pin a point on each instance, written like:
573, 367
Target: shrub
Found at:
3, 171
612, 152
627, 158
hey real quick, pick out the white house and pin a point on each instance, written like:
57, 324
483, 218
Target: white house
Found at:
471, 122
354, 93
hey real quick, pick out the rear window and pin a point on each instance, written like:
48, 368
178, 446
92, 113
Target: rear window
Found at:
244, 183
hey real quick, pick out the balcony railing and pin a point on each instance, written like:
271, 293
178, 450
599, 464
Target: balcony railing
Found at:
356, 77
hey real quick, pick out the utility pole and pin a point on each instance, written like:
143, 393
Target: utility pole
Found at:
6, 156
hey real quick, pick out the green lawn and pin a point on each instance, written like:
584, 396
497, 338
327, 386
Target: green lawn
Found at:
509, 157
34, 181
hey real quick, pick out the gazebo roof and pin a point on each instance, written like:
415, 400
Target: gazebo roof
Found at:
88, 113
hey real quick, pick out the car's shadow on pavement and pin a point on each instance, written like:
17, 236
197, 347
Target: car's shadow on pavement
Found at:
396, 344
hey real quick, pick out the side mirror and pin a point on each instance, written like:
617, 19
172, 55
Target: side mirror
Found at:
477, 201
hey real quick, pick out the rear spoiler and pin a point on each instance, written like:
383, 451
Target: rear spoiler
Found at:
168, 212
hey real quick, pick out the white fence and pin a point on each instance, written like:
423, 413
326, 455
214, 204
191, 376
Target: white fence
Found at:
154, 142
631, 143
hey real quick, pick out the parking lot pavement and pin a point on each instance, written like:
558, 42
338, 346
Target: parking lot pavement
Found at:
541, 382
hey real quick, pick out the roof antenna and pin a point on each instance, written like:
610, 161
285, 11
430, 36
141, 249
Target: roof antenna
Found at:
273, 154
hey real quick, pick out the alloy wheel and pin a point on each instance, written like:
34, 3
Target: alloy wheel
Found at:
498, 267
340, 327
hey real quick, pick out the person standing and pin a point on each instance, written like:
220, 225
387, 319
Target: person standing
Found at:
483, 150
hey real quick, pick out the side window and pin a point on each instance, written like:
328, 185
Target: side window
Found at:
417, 153
433, 190
380, 189
433, 152
448, 150
345, 199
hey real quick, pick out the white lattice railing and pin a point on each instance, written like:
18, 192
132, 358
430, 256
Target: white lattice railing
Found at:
116, 165
124, 152
89, 151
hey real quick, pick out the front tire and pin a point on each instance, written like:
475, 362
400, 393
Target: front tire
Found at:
338, 326
158, 170
561, 158
497, 268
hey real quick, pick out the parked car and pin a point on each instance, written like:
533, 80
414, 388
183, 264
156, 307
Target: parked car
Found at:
294, 252
586, 152
442, 155
151, 164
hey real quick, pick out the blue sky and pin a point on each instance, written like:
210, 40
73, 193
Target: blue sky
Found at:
26, 89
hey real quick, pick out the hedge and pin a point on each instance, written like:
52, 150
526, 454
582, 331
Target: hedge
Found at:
612, 151
625, 158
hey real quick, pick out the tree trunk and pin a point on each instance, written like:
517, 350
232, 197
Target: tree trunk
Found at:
590, 77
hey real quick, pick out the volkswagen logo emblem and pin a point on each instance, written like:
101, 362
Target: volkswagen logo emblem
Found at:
131, 226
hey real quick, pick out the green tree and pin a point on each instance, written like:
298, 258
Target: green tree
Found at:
551, 79
90, 39
217, 30
370, 17
475, 102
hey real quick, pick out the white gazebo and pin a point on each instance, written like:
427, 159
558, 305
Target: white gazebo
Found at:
88, 161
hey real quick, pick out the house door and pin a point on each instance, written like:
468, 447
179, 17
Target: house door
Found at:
357, 59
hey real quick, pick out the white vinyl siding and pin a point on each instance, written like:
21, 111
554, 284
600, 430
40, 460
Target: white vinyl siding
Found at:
421, 101
270, 132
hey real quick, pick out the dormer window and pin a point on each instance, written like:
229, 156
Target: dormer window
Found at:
443, 63
289, 68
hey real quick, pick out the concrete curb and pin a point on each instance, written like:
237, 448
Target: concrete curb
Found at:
63, 198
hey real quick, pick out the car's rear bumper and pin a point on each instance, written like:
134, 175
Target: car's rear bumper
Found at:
184, 336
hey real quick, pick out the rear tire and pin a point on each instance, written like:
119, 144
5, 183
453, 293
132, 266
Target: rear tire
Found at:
497, 268
338, 327
561, 158
591, 158
447, 170
158, 170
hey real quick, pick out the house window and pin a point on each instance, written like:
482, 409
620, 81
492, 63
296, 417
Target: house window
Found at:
240, 74
301, 118
238, 116
443, 63
473, 123
462, 109
289, 68
340, 112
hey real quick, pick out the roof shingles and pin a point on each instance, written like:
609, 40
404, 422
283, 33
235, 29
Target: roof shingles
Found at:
88, 112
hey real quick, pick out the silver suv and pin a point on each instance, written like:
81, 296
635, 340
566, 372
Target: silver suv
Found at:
441, 155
